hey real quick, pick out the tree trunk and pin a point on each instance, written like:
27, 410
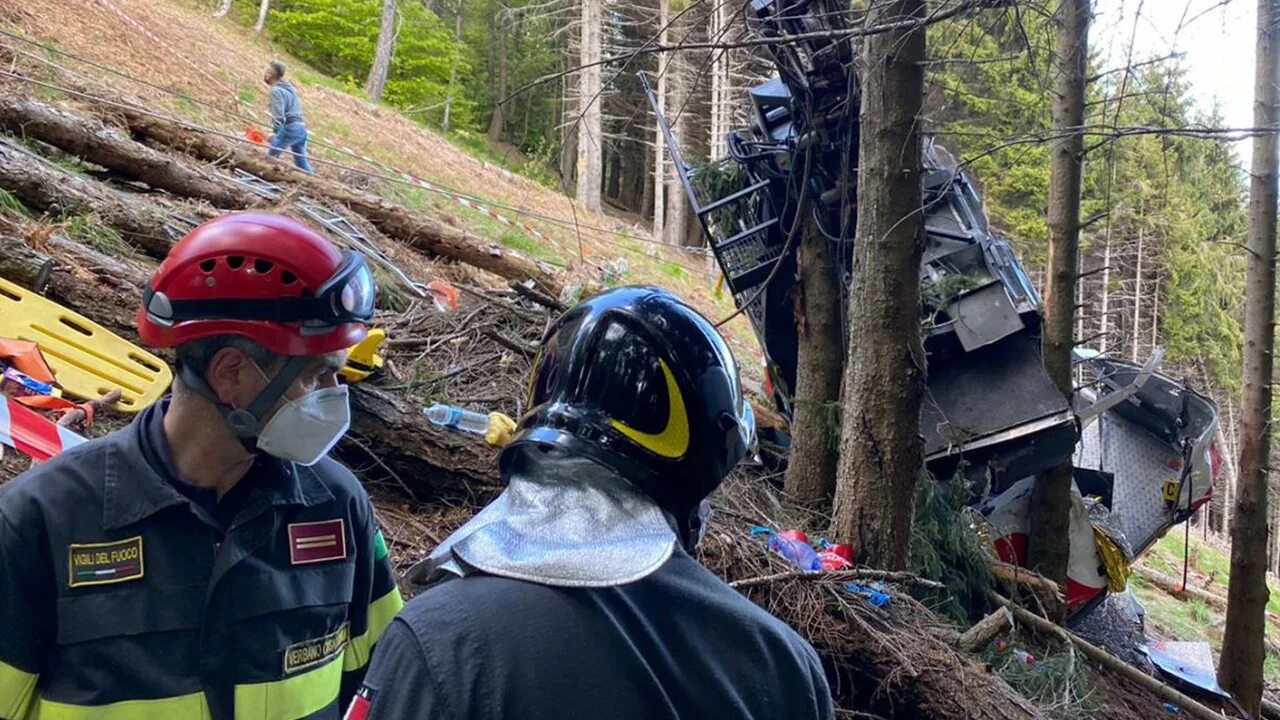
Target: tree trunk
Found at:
613, 176
453, 69
590, 120
815, 424
497, 120
673, 218
1240, 668
659, 142
382, 56
1051, 499
636, 172
880, 444
223, 9
82, 277
262, 16
1155, 311
1104, 314
47, 188
717, 20
1227, 469
1135, 331
89, 139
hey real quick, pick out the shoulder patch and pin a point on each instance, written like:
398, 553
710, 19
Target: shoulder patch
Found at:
309, 653
313, 542
105, 563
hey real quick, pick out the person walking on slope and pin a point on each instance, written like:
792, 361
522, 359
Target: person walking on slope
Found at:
209, 561
573, 595
289, 130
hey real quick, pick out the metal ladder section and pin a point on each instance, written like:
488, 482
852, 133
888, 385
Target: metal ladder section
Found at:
347, 232
746, 257
351, 235
257, 185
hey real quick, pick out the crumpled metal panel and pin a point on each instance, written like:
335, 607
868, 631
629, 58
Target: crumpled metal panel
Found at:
1141, 465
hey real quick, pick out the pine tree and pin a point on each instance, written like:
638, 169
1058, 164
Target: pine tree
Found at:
880, 445
1240, 668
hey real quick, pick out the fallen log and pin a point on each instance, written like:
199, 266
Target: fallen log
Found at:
1046, 591
987, 629
1173, 586
91, 140
389, 435
83, 278
427, 461
45, 187
1102, 657
417, 230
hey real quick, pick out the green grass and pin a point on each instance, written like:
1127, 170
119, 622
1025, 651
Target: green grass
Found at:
248, 95
191, 108
477, 145
1271, 669
673, 270
12, 205
526, 245
99, 237
1199, 611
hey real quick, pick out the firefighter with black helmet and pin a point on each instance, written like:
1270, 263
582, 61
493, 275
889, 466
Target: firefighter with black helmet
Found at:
573, 595
209, 561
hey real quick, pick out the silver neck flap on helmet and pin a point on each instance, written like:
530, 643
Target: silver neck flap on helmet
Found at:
562, 520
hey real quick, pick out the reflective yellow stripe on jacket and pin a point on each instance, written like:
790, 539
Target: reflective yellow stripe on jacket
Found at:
17, 688
183, 707
381, 612
293, 697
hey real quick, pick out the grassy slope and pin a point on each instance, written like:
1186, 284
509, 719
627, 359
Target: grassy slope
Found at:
1210, 569
219, 63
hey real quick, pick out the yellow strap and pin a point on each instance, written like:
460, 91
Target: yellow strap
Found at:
381, 612
295, 697
17, 688
183, 707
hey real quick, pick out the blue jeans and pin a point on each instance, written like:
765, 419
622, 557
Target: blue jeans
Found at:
294, 137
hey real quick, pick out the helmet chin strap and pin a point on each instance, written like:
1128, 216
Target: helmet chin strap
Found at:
244, 422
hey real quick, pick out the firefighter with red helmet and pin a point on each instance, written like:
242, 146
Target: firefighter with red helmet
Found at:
210, 560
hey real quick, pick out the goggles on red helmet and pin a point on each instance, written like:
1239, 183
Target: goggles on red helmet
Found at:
346, 297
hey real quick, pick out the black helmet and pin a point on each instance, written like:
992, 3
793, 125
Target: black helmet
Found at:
638, 381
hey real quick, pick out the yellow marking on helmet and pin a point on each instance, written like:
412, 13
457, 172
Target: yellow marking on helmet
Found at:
672, 441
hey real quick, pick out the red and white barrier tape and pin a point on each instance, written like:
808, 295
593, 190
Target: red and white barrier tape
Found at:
428, 185
31, 433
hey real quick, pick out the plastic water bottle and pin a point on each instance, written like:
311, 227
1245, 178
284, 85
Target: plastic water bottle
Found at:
457, 418
790, 545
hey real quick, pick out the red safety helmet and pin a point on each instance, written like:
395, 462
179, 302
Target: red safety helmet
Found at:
261, 276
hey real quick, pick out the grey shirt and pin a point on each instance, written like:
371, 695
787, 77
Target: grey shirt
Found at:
285, 106
678, 643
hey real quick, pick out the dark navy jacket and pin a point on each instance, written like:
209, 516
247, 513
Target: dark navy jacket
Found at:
679, 643
126, 595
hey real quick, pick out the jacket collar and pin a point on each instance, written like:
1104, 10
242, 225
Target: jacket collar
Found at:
135, 488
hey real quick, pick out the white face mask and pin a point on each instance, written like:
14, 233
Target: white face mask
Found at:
303, 430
